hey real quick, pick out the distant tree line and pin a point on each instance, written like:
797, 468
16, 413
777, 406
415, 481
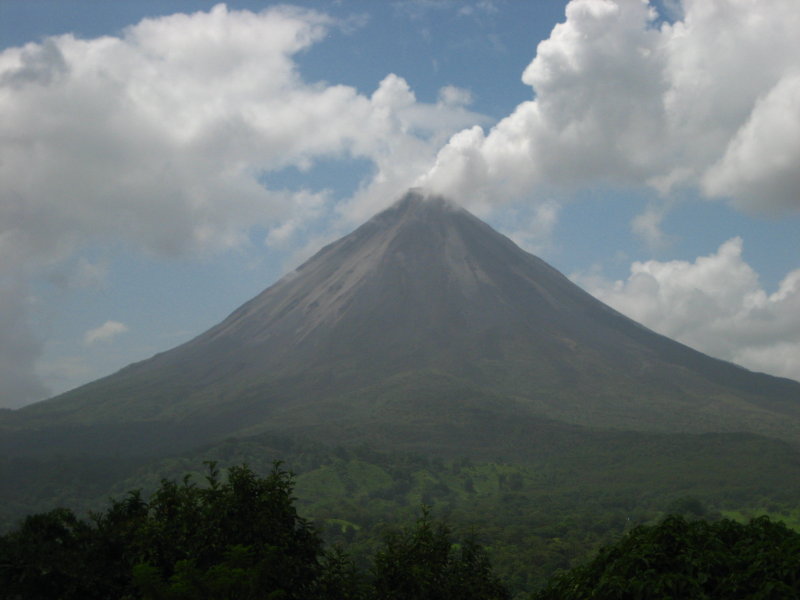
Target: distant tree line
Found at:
240, 537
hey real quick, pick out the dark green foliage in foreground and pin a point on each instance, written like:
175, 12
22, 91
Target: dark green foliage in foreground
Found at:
689, 560
242, 539
238, 539
420, 563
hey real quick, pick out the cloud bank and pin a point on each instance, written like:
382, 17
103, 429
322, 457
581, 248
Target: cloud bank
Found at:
714, 304
710, 102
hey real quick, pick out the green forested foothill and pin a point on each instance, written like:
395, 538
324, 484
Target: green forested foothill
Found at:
533, 517
241, 537
37, 484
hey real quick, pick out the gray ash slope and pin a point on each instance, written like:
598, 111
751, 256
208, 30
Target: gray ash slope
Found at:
423, 322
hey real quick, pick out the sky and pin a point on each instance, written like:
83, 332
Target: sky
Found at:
162, 162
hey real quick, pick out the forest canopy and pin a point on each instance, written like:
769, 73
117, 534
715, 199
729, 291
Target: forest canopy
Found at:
239, 536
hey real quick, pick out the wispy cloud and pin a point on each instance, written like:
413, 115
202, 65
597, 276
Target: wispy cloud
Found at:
105, 333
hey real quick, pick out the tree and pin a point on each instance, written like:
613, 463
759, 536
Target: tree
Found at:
44, 558
689, 507
241, 538
422, 563
689, 559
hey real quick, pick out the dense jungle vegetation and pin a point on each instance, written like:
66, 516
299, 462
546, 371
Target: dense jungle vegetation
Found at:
238, 538
241, 535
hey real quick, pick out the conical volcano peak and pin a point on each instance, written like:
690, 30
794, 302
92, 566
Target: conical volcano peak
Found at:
422, 304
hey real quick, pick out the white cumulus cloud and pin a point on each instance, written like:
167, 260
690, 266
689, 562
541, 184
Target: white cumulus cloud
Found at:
715, 304
763, 158
710, 101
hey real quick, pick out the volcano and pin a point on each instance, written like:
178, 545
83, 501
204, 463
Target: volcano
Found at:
424, 327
